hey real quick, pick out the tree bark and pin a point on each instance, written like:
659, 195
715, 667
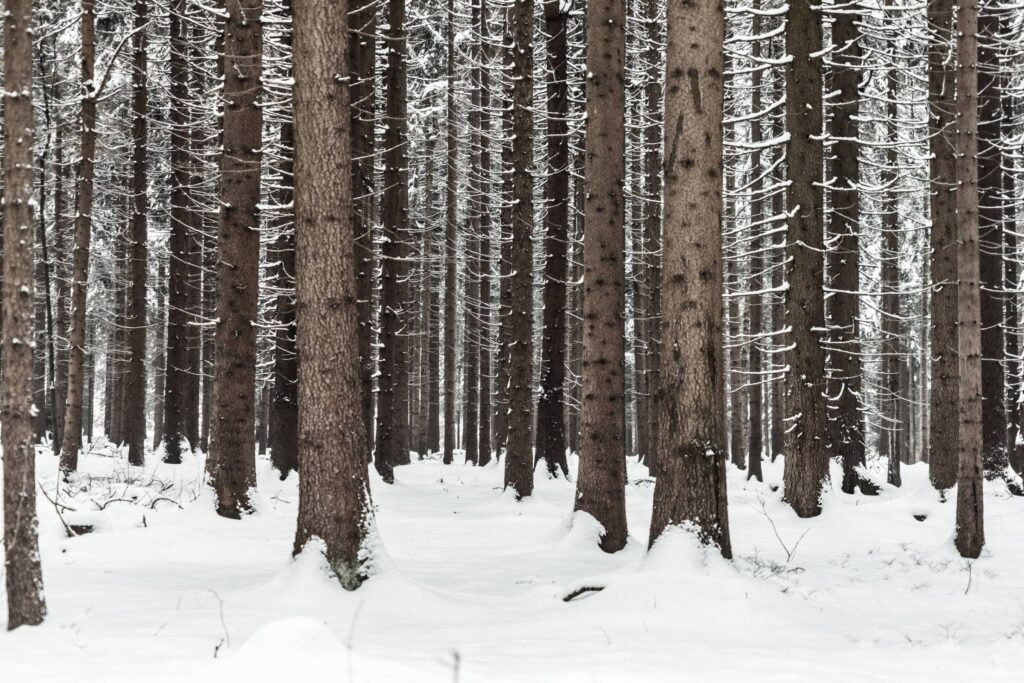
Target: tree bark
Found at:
970, 529
600, 487
23, 576
135, 399
72, 438
551, 403
692, 447
450, 225
486, 263
232, 461
334, 494
806, 465
519, 453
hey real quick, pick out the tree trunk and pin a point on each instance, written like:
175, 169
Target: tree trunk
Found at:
519, 453
551, 403
806, 466
970, 530
392, 409
362, 53
24, 578
159, 357
83, 235
334, 494
176, 357
602, 472
135, 399
231, 462
450, 224
943, 446
692, 449
486, 263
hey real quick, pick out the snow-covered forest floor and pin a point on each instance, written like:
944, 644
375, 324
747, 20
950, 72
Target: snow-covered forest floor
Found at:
470, 586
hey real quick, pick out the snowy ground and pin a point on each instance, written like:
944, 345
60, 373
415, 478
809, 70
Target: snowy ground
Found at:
471, 587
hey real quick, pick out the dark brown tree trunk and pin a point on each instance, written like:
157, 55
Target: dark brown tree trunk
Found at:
176, 357
943, 446
519, 453
284, 411
231, 462
135, 399
759, 278
83, 235
62, 286
486, 263
551, 403
450, 221
334, 494
600, 486
362, 53
990, 207
847, 426
806, 446
652, 230
434, 356
392, 432
692, 450
24, 578
970, 526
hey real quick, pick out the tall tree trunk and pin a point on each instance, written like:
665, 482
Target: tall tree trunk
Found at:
943, 443
692, 449
486, 263
62, 286
176, 357
135, 399
434, 356
551, 403
363, 55
806, 466
652, 230
990, 208
519, 453
450, 223
284, 416
847, 428
72, 438
392, 409
232, 463
600, 486
970, 527
334, 494
159, 357
24, 577
759, 278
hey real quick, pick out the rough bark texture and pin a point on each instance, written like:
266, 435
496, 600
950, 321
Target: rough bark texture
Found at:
135, 391
334, 494
970, 528
692, 450
602, 472
519, 453
23, 572
806, 448
943, 445
63, 288
72, 437
160, 355
990, 221
284, 411
755, 443
450, 224
176, 357
232, 459
551, 403
486, 263
362, 52
847, 425
392, 403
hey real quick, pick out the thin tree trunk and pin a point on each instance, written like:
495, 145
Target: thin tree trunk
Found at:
970, 529
231, 461
135, 399
551, 403
519, 453
83, 236
486, 263
450, 223
806, 466
159, 359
